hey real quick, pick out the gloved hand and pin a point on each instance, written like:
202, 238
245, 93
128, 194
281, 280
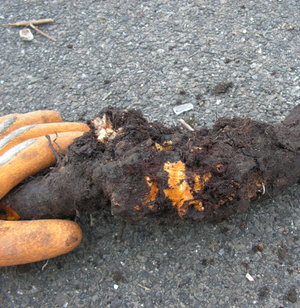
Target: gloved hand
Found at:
28, 144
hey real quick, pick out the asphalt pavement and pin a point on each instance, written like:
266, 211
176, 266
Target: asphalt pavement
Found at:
228, 58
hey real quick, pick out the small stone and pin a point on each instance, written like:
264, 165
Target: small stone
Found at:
227, 60
116, 287
259, 247
282, 252
263, 292
249, 277
291, 295
26, 35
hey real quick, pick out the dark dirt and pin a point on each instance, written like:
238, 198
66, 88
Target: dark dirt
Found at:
263, 293
222, 87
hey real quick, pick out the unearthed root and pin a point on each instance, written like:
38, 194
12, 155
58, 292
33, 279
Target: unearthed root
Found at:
143, 168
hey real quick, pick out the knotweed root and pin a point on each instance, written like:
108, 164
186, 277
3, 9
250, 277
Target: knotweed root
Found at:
141, 168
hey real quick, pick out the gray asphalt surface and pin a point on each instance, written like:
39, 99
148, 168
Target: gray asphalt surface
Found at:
153, 55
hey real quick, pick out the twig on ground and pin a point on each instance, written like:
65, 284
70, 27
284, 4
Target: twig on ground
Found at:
144, 287
32, 24
187, 126
106, 96
91, 220
42, 33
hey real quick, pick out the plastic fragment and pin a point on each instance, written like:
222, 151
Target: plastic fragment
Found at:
183, 108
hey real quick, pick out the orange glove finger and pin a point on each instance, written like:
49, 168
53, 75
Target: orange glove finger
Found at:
36, 130
10, 122
35, 240
30, 157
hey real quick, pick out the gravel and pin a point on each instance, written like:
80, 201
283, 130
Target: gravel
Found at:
227, 58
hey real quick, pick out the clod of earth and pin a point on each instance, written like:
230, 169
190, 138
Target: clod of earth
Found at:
141, 168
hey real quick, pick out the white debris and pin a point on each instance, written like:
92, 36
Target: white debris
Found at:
183, 108
26, 35
116, 287
187, 126
249, 277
